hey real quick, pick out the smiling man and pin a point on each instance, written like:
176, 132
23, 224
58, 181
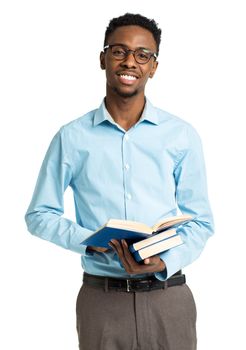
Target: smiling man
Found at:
127, 160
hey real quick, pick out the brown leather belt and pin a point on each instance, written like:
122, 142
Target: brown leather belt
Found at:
133, 285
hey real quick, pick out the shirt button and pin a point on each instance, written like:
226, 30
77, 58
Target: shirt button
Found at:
127, 166
129, 196
126, 137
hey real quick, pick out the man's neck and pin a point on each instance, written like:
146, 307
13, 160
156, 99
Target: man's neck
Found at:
126, 111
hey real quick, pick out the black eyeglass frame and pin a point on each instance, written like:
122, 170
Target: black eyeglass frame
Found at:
128, 51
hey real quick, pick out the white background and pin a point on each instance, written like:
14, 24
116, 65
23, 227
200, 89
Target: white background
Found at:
50, 75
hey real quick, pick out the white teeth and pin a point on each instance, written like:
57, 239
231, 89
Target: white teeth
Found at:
128, 77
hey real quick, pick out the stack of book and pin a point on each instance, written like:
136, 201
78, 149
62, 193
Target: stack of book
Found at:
156, 244
144, 241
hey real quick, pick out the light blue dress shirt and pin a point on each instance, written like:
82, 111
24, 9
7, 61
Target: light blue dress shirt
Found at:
153, 170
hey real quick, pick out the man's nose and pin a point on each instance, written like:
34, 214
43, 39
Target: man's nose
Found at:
129, 61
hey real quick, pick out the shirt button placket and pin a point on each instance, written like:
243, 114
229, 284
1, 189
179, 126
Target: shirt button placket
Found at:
126, 169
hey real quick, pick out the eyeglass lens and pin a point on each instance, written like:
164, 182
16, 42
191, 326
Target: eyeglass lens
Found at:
140, 55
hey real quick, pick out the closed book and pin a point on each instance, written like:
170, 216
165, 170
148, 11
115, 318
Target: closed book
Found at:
132, 231
151, 240
157, 248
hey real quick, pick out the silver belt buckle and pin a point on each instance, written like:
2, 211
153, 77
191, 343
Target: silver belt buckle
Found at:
128, 285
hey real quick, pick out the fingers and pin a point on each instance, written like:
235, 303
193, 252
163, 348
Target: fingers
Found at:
127, 253
118, 248
125, 256
156, 262
146, 261
151, 261
97, 249
152, 264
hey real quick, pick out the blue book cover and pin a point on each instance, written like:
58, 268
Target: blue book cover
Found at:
102, 238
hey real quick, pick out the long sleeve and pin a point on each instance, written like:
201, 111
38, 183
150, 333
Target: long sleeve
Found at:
44, 215
192, 198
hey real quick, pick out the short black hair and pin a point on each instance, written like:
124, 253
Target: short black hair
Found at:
134, 19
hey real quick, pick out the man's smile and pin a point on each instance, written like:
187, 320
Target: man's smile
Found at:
127, 78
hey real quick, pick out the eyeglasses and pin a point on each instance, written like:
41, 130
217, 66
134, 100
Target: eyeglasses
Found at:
121, 52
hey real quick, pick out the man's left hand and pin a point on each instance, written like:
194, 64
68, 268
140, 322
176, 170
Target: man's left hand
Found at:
152, 264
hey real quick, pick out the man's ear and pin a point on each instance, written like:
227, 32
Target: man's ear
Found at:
153, 70
102, 60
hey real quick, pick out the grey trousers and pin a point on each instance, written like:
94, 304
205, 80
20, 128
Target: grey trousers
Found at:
163, 319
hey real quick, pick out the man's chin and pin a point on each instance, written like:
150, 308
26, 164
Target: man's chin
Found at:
125, 94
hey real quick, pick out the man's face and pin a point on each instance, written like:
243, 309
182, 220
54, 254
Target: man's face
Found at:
127, 78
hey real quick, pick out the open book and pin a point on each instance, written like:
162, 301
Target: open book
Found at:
131, 231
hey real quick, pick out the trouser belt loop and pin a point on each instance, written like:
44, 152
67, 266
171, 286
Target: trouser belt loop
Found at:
165, 284
106, 284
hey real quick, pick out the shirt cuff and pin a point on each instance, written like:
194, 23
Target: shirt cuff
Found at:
83, 249
162, 275
172, 264
81, 234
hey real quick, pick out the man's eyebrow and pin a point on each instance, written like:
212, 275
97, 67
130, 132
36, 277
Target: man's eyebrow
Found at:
136, 48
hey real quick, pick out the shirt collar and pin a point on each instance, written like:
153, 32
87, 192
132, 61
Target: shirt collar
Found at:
149, 114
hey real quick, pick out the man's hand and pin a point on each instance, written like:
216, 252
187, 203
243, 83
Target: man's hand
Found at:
97, 249
152, 264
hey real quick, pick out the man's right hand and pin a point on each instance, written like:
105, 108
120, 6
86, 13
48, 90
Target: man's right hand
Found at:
97, 249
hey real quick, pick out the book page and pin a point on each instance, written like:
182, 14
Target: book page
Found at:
129, 225
171, 221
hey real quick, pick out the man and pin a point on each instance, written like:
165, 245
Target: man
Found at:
127, 160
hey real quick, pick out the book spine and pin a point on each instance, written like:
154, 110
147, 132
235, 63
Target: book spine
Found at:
137, 256
132, 248
152, 240
157, 248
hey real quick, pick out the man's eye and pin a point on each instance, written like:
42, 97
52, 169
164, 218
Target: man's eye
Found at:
143, 55
118, 52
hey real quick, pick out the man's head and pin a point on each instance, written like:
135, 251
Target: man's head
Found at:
130, 19
131, 47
